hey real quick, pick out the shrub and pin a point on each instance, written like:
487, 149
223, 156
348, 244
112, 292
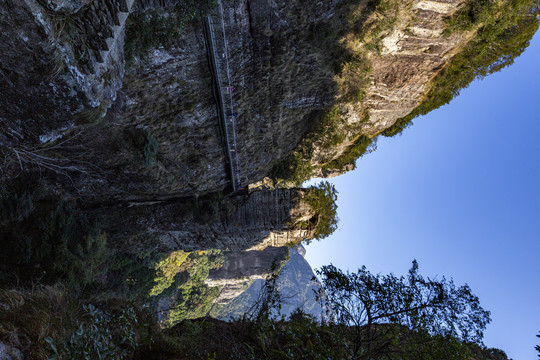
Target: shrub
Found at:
59, 243
193, 297
322, 199
361, 146
150, 149
99, 336
167, 269
142, 140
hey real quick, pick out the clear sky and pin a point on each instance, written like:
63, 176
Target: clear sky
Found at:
460, 192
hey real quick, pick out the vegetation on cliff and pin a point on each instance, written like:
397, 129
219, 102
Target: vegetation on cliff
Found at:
348, 50
151, 29
502, 31
322, 198
46, 321
505, 30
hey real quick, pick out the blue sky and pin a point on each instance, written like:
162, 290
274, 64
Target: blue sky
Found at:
460, 192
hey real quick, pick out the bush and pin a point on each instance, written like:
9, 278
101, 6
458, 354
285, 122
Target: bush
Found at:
193, 298
56, 242
361, 146
473, 13
99, 336
142, 140
322, 199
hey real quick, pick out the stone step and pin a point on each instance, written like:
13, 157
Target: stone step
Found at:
116, 28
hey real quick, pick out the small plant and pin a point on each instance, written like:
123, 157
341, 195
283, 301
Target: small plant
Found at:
143, 140
157, 28
100, 336
150, 149
15, 207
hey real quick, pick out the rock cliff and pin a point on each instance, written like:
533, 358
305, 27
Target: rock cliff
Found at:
241, 268
320, 80
296, 285
250, 222
129, 111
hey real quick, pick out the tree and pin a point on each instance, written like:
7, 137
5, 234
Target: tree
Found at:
383, 311
537, 347
322, 199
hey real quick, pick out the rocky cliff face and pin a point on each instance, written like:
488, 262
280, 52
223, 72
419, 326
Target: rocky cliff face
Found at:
74, 117
250, 222
412, 54
58, 59
295, 284
241, 268
160, 136
141, 148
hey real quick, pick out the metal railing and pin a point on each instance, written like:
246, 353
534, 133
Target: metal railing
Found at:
219, 59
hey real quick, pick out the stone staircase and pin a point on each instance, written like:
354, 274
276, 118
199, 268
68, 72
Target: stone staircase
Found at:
100, 27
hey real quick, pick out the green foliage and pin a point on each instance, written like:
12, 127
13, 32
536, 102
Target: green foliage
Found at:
411, 305
301, 337
167, 269
473, 13
322, 199
193, 298
55, 243
99, 336
157, 28
504, 35
363, 145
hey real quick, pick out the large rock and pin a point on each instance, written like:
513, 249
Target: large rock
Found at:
10, 353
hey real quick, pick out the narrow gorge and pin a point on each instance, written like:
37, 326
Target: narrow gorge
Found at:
125, 123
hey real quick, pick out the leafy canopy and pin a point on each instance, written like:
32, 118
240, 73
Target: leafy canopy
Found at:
362, 299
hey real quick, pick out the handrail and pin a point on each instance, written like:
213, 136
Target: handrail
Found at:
223, 114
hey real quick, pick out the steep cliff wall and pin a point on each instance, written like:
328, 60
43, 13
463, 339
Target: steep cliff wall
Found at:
254, 221
241, 268
58, 59
312, 85
296, 285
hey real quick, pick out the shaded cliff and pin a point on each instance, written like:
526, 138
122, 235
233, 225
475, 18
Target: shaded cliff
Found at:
256, 220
